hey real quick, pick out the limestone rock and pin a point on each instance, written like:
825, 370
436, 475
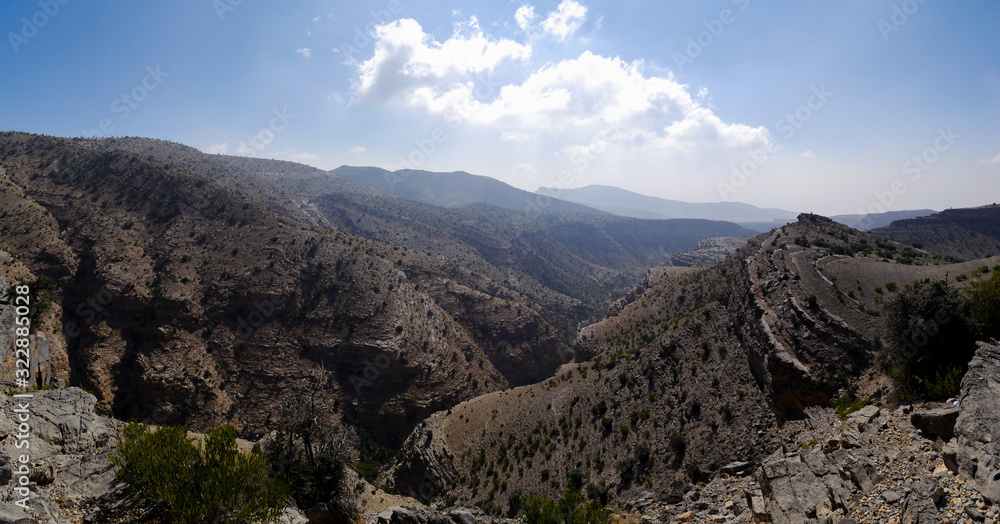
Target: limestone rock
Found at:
978, 425
919, 506
938, 422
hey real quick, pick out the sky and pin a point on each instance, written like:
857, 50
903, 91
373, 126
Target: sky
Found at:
846, 107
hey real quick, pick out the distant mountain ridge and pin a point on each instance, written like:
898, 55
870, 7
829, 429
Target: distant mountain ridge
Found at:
457, 189
874, 220
627, 203
963, 234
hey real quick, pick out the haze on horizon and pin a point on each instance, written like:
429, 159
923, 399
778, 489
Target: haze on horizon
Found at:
806, 107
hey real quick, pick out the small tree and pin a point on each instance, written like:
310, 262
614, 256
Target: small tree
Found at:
186, 483
313, 452
927, 331
984, 306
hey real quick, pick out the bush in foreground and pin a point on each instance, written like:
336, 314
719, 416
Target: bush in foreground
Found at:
314, 452
185, 482
570, 509
927, 331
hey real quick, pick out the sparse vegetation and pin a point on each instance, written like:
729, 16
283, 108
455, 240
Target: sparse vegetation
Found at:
571, 508
927, 331
187, 483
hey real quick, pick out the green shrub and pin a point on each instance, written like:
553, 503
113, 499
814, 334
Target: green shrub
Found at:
984, 306
927, 331
188, 483
809, 444
677, 443
945, 385
847, 404
570, 509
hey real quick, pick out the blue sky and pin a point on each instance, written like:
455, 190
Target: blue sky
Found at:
860, 105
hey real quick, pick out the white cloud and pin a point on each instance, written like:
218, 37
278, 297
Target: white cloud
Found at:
526, 169
602, 115
808, 154
305, 52
293, 156
514, 136
407, 60
565, 20
991, 161
524, 16
357, 150
218, 149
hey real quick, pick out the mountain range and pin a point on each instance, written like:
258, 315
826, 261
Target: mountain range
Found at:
477, 344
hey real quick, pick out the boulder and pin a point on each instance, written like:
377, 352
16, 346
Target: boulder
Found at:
863, 416
799, 487
919, 507
737, 468
977, 427
63, 421
10, 514
939, 422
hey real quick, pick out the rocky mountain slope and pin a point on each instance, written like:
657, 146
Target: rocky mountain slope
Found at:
913, 463
961, 234
873, 220
194, 286
204, 314
691, 371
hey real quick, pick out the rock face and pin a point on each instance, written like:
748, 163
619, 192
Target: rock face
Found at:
68, 452
978, 425
920, 507
797, 486
937, 422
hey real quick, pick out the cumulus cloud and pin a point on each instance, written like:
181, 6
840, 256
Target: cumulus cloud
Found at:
565, 20
407, 60
514, 136
808, 154
527, 169
524, 16
357, 150
218, 149
991, 161
293, 156
305, 52
621, 114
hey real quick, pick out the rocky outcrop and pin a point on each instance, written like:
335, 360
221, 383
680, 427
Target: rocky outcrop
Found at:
920, 506
978, 426
424, 466
410, 515
67, 450
937, 422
